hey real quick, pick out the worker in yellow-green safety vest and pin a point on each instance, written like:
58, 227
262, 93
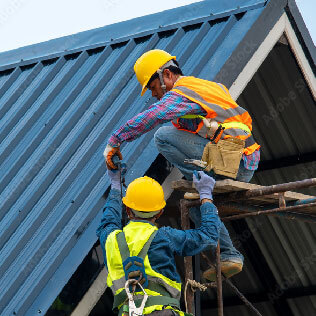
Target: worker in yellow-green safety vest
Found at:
142, 251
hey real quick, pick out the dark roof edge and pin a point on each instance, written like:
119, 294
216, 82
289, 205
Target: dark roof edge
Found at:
302, 33
123, 31
258, 32
251, 42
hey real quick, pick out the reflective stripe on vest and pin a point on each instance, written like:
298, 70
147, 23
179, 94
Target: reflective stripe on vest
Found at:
220, 114
237, 126
136, 233
215, 99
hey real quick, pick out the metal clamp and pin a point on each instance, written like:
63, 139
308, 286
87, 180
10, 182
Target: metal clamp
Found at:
132, 309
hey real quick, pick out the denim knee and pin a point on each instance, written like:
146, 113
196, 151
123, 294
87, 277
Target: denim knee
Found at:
159, 135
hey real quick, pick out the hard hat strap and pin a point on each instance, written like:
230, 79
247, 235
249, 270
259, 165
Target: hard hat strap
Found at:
160, 74
162, 82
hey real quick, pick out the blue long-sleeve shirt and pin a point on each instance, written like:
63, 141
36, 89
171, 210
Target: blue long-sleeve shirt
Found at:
168, 241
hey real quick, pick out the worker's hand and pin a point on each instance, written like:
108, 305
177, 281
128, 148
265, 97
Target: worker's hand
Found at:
115, 177
204, 184
109, 153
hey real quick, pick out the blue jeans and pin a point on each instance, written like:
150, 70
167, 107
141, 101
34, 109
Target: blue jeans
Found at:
175, 146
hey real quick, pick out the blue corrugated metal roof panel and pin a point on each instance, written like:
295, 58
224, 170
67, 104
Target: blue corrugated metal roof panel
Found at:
209, 9
57, 110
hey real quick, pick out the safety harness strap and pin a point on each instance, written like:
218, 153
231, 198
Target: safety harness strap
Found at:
125, 254
124, 250
160, 300
122, 296
123, 247
153, 286
142, 254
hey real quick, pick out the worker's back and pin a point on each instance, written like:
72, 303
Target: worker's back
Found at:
142, 245
160, 268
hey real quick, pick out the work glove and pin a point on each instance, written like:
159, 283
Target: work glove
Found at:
204, 184
109, 153
115, 176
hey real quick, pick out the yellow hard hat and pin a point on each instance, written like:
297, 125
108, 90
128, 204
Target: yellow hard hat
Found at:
144, 194
147, 64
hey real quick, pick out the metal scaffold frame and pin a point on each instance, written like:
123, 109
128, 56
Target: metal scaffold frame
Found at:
290, 212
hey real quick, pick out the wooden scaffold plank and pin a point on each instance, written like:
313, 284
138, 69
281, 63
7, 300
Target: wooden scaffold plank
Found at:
251, 196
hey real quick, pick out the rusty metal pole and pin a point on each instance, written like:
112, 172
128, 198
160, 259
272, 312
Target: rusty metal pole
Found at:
242, 297
188, 267
185, 185
267, 212
282, 202
219, 282
277, 188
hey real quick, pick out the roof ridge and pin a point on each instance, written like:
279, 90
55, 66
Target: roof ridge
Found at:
189, 14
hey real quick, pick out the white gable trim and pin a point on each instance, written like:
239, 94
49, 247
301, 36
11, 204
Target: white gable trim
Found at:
174, 175
257, 59
300, 57
92, 296
282, 26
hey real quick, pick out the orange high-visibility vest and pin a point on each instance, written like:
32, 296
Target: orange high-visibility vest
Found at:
215, 99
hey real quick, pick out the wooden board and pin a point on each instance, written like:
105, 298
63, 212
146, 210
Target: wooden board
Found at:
228, 185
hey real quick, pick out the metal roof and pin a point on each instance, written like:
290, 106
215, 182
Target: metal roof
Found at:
59, 102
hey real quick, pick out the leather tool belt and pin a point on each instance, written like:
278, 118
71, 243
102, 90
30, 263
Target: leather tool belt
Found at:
224, 157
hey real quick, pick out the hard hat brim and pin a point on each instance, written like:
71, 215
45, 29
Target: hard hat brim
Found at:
144, 89
142, 209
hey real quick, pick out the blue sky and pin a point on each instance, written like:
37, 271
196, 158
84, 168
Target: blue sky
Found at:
25, 22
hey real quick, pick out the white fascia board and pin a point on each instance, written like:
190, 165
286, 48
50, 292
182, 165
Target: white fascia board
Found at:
283, 26
174, 175
300, 57
92, 296
257, 59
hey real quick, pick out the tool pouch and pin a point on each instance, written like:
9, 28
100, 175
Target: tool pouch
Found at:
224, 157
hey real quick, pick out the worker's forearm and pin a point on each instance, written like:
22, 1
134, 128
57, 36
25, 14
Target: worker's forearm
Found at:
171, 106
112, 215
131, 130
192, 241
210, 221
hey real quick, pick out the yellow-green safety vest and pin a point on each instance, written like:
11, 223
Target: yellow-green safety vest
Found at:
161, 290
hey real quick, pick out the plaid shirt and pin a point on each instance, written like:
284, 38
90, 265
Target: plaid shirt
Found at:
171, 106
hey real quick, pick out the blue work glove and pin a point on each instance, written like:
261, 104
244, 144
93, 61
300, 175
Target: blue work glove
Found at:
115, 179
204, 184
